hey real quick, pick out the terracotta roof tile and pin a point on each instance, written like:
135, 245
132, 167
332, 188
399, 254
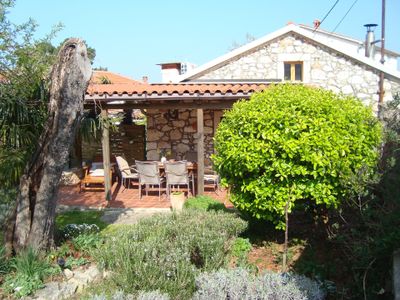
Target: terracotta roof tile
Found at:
171, 89
121, 85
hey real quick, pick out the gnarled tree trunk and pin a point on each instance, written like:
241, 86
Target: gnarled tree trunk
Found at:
36, 201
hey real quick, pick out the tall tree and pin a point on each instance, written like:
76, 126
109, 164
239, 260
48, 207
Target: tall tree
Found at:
25, 65
36, 200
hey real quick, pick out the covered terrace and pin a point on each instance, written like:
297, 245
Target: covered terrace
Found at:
196, 98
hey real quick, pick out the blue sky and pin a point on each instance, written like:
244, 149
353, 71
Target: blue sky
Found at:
131, 37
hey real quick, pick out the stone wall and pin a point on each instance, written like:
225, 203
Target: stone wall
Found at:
321, 66
175, 134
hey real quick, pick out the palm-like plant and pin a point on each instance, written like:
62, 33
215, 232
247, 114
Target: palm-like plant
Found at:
24, 72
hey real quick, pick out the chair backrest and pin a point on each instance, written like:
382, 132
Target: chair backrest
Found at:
177, 172
148, 172
123, 166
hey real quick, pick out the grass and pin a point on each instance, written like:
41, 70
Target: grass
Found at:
204, 203
80, 217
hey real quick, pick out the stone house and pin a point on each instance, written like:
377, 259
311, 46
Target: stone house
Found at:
183, 112
294, 53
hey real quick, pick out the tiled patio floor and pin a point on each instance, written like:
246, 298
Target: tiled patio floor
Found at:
123, 198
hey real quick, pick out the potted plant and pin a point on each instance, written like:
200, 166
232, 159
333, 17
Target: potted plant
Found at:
177, 200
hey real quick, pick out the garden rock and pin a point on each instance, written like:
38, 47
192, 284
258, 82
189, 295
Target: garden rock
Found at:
56, 290
68, 274
75, 282
69, 178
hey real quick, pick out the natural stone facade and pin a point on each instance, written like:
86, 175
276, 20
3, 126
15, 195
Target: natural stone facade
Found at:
322, 67
176, 135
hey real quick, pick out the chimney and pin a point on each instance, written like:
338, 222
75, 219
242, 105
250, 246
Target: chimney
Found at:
170, 72
370, 40
316, 23
145, 79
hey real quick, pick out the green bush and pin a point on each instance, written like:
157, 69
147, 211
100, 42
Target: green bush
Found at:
86, 242
165, 252
368, 230
204, 203
72, 262
29, 268
294, 142
240, 249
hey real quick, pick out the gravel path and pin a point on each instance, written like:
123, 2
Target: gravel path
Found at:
131, 215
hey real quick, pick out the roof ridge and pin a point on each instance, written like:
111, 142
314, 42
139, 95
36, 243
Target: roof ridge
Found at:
278, 33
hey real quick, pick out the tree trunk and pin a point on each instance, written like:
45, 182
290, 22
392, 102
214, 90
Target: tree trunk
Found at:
285, 246
36, 201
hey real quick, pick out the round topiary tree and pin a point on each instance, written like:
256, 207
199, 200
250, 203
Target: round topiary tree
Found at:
294, 142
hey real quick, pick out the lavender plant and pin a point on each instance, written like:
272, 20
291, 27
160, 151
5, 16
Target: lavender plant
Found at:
238, 284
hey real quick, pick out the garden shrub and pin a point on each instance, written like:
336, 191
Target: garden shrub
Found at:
165, 252
153, 295
29, 268
294, 142
368, 230
72, 262
237, 284
85, 243
205, 203
240, 249
4, 262
71, 231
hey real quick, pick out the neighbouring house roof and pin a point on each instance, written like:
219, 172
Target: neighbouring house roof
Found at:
99, 77
105, 82
291, 28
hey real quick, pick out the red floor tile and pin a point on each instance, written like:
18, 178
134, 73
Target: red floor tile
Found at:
123, 198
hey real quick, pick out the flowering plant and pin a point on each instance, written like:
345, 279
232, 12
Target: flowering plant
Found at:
74, 230
164, 152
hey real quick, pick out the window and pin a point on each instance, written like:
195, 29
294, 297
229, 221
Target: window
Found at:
293, 71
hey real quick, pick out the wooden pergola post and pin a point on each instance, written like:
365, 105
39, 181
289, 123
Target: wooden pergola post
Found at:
105, 143
200, 151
